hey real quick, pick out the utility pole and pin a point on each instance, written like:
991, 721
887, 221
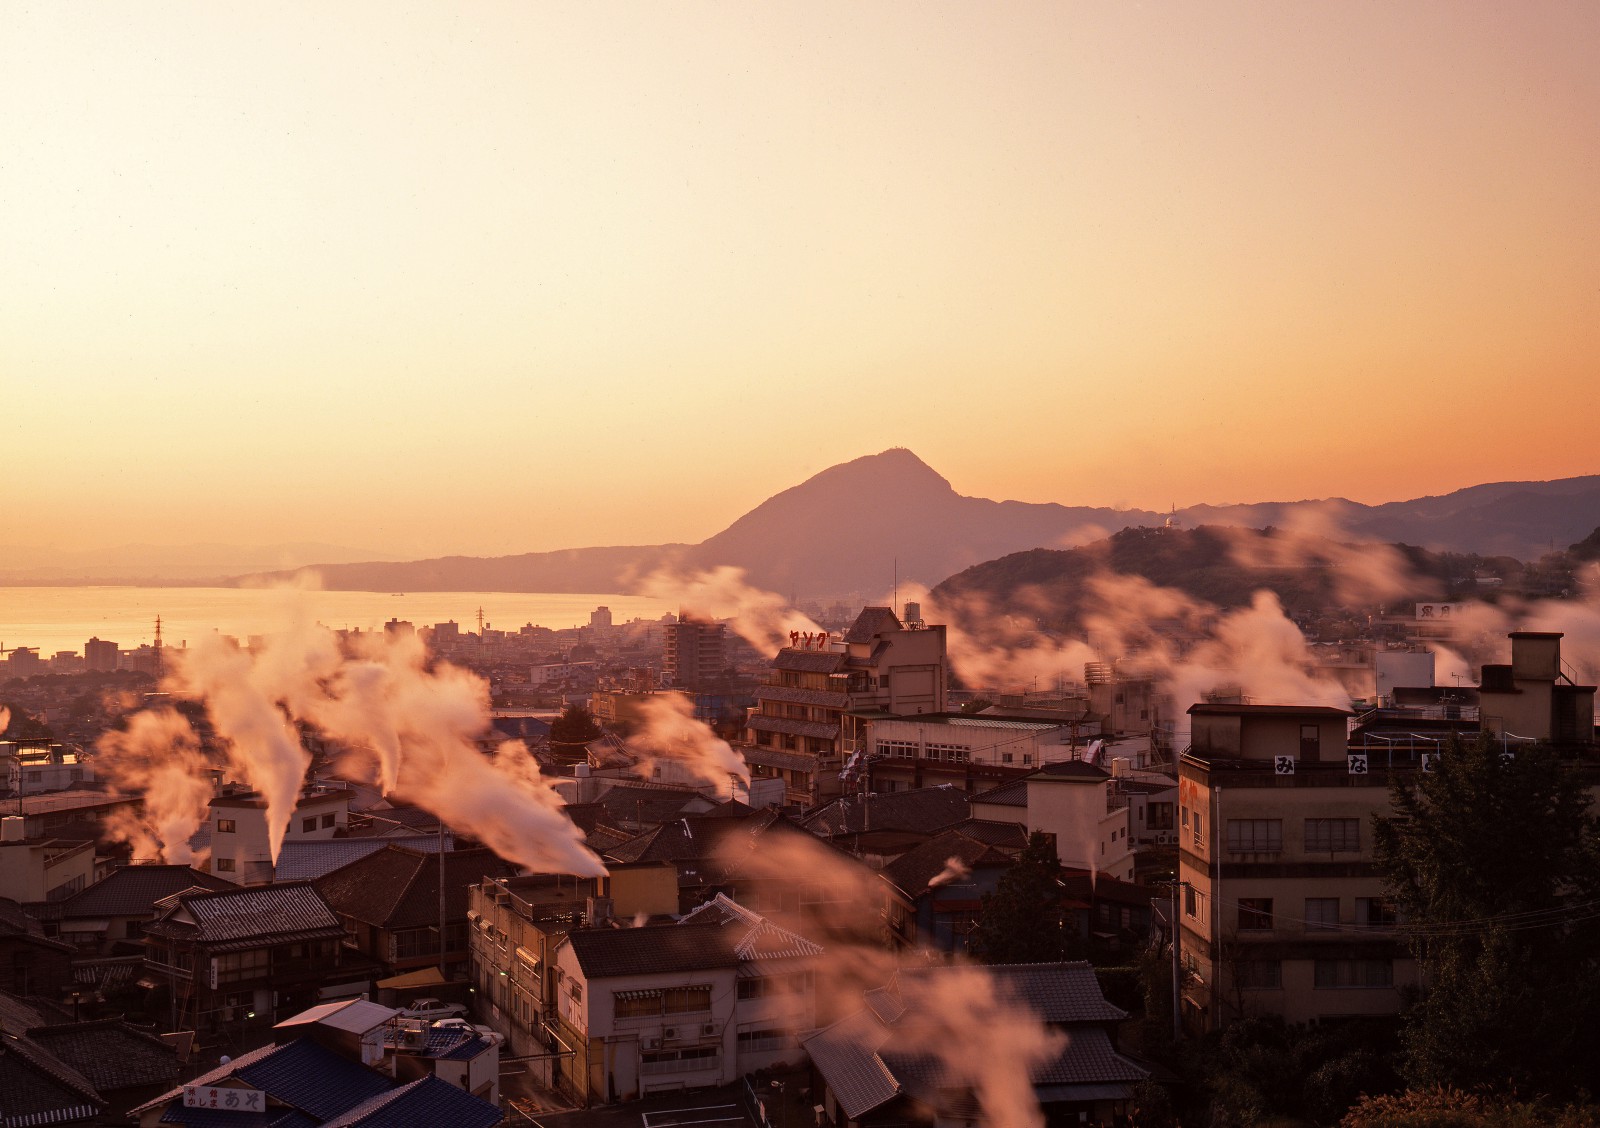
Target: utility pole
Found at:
1177, 970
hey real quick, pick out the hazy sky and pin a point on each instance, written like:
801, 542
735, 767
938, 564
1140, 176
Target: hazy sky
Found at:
500, 277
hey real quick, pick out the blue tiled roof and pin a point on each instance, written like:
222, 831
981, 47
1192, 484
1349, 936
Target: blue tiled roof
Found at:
427, 1103
316, 1081
221, 1118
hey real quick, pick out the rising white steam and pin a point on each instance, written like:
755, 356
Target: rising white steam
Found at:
158, 756
954, 870
670, 733
964, 1019
412, 728
761, 618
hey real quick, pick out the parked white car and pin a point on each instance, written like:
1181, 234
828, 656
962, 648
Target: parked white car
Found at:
430, 1009
488, 1033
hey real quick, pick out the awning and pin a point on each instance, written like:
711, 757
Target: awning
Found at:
423, 977
648, 994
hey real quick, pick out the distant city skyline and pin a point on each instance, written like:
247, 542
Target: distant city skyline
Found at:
512, 278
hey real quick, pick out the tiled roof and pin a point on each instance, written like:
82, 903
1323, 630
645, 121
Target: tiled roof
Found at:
863, 1066
1208, 710
912, 871
808, 661
846, 1054
760, 722
17, 1015
425, 1103
872, 622
110, 1053
925, 809
1058, 993
301, 1074
398, 886
1074, 771
778, 758
795, 695
634, 803
307, 861
754, 936
994, 832
695, 837
37, 1088
134, 890
354, 1016
654, 949
1013, 794
240, 918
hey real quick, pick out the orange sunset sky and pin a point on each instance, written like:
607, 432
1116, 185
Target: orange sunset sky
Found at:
500, 277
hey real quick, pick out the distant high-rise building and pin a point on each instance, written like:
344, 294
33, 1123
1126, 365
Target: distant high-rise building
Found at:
600, 618
399, 628
695, 652
99, 654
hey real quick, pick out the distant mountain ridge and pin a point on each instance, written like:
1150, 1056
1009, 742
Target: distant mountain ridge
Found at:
855, 527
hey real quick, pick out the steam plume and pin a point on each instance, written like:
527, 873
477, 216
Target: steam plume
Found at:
761, 618
954, 870
158, 756
412, 728
671, 733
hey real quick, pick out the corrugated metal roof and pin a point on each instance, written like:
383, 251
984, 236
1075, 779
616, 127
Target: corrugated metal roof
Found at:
760, 722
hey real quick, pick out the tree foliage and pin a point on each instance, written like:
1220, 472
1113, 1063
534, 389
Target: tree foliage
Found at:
1023, 920
575, 726
1492, 860
1452, 1108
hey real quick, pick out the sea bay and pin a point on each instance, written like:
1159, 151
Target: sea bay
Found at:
52, 619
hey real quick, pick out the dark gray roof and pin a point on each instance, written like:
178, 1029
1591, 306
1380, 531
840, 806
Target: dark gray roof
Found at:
872, 622
111, 1054
1013, 794
307, 861
846, 1054
38, 1088
760, 722
925, 810
1206, 710
244, 918
798, 696
605, 953
398, 886
1059, 993
912, 871
778, 758
806, 662
639, 803
1074, 771
994, 832
134, 890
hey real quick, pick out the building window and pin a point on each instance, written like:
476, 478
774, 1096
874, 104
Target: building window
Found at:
1186, 816
1322, 913
636, 1004
1310, 742
1331, 835
329, 820
685, 1000
1333, 974
224, 865
225, 826
1258, 975
1160, 816
1375, 912
1199, 829
1255, 914
309, 825
1255, 836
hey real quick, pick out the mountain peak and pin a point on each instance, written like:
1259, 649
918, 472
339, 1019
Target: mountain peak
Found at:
894, 470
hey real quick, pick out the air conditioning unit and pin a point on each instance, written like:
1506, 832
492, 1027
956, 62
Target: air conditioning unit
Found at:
650, 1043
669, 1032
708, 1029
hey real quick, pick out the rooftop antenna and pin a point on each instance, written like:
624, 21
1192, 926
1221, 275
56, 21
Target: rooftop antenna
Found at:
480, 622
897, 581
160, 670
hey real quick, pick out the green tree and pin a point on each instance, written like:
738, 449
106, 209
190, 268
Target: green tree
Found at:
1492, 860
573, 729
1452, 1108
1023, 920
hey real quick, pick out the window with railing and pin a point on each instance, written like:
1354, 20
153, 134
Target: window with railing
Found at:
687, 1060
1322, 914
758, 1041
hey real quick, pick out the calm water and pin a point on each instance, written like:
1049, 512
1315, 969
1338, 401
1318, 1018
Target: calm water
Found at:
53, 619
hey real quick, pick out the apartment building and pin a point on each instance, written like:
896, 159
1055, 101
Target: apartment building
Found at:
812, 713
240, 842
